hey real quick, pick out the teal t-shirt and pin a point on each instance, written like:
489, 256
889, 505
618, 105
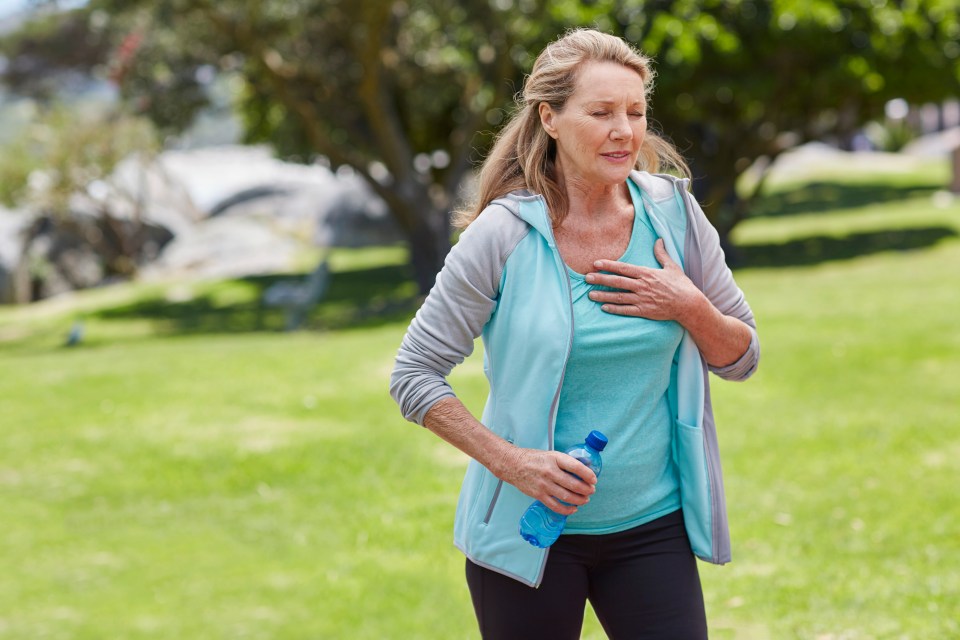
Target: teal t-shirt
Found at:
616, 382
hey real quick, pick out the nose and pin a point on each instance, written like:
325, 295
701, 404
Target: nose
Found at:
620, 129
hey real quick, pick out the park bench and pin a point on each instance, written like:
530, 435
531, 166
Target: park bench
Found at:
955, 185
298, 296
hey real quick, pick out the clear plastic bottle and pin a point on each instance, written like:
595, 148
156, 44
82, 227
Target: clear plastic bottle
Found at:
541, 526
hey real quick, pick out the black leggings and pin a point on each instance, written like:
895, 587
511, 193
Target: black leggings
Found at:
642, 583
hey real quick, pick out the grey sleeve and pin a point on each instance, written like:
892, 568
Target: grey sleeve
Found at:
721, 289
454, 313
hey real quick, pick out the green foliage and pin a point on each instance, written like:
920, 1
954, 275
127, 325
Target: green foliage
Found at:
61, 170
409, 93
161, 74
17, 162
397, 91
741, 80
64, 151
891, 136
52, 50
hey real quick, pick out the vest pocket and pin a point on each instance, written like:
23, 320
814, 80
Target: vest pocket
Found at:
493, 502
694, 488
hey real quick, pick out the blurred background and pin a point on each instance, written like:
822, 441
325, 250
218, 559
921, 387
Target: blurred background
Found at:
217, 218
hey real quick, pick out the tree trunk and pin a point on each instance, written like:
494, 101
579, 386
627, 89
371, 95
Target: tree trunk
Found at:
425, 222
429, 242
717, 195
121, 245
23, 285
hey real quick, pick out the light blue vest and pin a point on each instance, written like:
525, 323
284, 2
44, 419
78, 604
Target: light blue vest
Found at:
526, 345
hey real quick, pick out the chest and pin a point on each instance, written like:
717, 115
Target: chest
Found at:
581, 242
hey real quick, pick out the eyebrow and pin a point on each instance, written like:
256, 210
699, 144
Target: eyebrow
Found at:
642, 103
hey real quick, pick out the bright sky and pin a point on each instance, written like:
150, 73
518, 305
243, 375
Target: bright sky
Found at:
12, 6
9, 6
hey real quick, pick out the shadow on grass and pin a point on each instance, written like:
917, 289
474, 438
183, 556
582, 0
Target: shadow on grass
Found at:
373, 296
816, 249
377, 295
358, 298
828, 197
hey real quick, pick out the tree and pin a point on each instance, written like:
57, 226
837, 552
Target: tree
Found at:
396, 91
742, 80
407, 92
62, 168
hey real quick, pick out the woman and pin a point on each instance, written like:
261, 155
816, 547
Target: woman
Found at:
603, 299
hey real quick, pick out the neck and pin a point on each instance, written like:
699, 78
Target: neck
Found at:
591, 200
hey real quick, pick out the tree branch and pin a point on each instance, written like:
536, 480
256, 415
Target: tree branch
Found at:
279, 74
380, 111
495, 75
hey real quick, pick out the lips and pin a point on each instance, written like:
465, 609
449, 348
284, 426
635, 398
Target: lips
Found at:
616, 155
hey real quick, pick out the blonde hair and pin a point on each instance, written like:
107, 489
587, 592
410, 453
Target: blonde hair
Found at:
523, 155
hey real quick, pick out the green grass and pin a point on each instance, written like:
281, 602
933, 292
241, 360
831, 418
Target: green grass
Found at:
190, 471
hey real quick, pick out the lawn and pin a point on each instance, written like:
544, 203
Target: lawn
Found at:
189, 471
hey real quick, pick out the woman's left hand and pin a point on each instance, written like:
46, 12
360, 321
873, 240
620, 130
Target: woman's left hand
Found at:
657, 294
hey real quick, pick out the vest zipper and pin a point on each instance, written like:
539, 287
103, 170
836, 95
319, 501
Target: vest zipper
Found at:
495, 498
554, 407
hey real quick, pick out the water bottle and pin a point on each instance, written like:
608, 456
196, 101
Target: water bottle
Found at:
541, 526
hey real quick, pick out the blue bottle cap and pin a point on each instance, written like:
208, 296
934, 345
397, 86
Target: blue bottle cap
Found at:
597, 440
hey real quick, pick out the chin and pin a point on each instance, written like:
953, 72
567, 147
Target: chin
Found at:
615, 177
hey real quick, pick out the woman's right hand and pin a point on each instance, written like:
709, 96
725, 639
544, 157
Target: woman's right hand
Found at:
550, 476
544, 475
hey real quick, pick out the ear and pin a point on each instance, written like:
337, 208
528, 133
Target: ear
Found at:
547, 115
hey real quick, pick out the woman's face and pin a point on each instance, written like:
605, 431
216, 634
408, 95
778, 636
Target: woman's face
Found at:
601, 128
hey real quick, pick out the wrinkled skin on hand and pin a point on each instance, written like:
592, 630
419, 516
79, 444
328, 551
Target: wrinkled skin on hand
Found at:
551, 477
657, 294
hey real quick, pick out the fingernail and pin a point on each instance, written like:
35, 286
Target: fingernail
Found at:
590, 277
597, 263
